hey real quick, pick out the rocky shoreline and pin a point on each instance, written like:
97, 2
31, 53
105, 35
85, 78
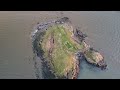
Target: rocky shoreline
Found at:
78, 36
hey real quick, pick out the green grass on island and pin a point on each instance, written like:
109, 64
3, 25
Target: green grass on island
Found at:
63, 51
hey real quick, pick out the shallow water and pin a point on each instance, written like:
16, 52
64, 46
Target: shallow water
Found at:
16, 55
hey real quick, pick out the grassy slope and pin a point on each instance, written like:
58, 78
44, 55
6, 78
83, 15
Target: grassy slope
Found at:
64, 49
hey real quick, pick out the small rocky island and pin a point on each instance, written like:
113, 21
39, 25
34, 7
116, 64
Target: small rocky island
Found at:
61, 47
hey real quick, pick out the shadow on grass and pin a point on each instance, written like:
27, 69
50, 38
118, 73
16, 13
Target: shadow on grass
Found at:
37, 49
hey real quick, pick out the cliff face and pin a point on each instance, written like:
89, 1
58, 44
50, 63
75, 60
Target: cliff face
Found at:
58, 45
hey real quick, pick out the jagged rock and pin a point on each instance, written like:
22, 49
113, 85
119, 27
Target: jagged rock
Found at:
61, 47
94, 57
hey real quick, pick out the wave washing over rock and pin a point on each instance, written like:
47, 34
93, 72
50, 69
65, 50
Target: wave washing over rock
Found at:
61, 47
